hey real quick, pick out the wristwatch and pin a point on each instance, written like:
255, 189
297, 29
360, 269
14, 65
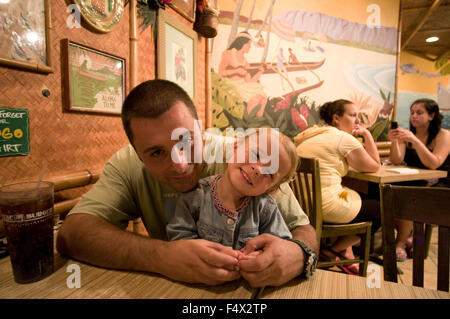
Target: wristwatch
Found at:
310, 259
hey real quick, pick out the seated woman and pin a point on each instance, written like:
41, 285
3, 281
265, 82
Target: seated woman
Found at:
424, 145
233, 66
336, 147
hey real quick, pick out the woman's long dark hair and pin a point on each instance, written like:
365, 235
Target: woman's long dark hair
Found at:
435, 124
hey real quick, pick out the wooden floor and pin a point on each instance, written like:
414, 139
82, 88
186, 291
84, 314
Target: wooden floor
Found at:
430, 265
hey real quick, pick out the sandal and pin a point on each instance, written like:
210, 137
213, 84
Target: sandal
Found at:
401, 254
352, 269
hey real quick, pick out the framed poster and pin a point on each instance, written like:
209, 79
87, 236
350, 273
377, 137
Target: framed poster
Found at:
25, 38
94, 80
184, 7
177, 53
14, 131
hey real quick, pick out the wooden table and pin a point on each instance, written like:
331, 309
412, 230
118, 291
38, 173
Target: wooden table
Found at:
333, 285
383, 176
103, 283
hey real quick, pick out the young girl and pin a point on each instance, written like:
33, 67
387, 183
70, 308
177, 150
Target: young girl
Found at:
234, 207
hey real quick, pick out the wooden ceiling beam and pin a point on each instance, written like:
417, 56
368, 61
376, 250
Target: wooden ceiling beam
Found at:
435, 30
408, 10
422, 21
443, 54
421, 55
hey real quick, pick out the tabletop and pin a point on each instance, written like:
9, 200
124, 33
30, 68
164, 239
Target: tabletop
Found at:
333, 285
99, 283
103, 283
384, 175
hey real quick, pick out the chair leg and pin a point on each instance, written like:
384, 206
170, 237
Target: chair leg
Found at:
428, 233
365, 251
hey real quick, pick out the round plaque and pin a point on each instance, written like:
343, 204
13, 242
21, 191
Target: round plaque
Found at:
102, 15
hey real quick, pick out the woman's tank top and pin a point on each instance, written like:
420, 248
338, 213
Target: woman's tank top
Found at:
412, 159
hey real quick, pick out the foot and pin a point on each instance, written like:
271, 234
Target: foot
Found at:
401, 254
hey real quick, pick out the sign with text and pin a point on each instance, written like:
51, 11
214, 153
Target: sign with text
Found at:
14, 132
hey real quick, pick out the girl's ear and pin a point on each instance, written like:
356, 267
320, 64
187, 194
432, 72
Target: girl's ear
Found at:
335, 119
272, 189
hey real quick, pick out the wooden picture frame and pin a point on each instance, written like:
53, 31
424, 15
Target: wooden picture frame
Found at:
177, 53
94, 81
26, 43
184, 7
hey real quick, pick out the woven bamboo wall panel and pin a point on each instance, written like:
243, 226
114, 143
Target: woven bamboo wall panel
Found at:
73, 141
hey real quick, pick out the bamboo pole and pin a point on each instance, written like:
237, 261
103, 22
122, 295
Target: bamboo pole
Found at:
133, 45
397, 62
208, 89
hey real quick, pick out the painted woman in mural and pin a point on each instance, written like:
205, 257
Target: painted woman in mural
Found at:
424, 145
233, 66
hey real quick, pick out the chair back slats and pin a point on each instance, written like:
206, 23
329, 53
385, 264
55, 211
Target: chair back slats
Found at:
419, 251
443, 258
422, 205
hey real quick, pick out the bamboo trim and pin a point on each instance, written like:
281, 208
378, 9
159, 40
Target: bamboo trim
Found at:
208, 89
133, 45
65, 206
397, 64
74, 179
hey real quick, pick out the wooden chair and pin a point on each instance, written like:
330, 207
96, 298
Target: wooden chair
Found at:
306, 187
421, 205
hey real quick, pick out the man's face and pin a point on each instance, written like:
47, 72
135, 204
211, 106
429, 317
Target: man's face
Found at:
153, 143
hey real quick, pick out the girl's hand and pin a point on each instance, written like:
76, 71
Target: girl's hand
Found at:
359, 129
393, 134
407, 136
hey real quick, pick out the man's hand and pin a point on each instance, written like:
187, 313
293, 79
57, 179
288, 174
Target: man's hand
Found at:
198, 261
279, 262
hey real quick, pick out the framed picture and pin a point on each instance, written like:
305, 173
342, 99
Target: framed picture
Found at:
94, 81
184, 7
25, 35
177, 53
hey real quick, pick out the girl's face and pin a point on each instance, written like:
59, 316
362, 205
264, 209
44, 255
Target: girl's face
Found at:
419, 116
348, 120
250, 179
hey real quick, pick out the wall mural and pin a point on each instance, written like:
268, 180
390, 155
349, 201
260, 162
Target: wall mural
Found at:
275, 62
420, 78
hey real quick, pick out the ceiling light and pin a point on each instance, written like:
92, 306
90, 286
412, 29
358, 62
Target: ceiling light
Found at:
432, 39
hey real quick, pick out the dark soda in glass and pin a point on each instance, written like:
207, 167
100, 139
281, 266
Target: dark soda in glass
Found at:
27, 214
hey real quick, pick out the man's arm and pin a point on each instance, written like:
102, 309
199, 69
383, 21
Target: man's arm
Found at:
91, 239
281, 260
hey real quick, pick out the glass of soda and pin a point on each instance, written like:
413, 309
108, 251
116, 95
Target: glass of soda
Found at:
27, 214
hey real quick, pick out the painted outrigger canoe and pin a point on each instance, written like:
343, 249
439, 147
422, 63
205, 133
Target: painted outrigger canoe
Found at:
291, 67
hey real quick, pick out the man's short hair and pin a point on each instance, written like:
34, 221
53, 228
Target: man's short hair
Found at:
151, 99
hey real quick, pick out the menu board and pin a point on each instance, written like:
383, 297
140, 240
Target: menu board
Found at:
14, 132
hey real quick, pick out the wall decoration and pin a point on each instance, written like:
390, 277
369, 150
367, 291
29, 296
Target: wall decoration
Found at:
94, 81
14, 131
420, 78
102, 15
184, 7
177, 53
275, 62
25, 38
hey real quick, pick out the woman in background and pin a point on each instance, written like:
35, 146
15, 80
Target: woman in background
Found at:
424, 145
336, 147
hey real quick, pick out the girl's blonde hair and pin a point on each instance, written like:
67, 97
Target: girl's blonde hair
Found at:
289, 146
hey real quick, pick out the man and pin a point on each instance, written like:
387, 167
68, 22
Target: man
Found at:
143, 180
